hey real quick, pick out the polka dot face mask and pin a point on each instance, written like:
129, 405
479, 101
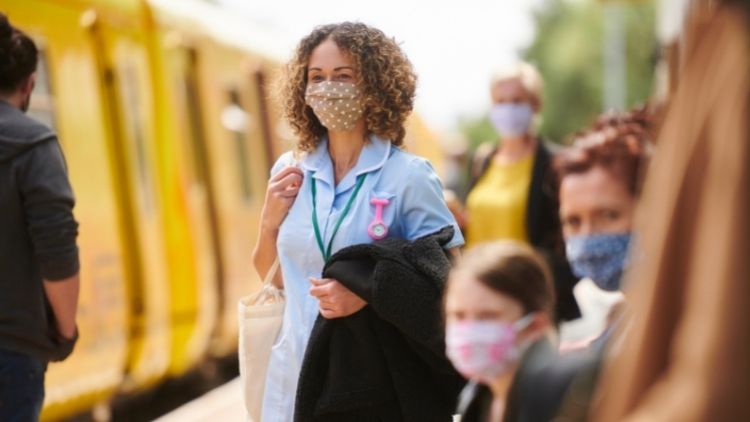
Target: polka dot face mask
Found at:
337, 105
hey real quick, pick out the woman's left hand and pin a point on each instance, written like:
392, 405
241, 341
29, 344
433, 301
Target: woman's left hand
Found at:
336, 301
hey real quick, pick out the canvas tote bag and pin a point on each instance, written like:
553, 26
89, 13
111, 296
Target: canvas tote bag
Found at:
260, 316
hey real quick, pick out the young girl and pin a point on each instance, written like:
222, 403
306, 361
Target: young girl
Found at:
498, 307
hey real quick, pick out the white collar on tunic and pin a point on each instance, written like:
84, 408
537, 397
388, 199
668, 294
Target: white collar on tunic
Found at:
373, 156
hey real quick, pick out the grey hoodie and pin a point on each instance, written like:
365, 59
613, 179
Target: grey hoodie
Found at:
37, 234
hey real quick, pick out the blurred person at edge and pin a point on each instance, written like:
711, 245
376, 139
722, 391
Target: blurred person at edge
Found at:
498, 309
599, 184
511, 194
347, 93
684, 356
39, 258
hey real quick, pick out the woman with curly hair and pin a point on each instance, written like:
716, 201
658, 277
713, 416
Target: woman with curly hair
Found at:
346, 93
599, 184
599, 179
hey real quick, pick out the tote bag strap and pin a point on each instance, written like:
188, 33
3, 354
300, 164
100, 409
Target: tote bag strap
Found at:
271, 272
269, 293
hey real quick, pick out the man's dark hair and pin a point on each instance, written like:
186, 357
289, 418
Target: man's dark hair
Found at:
18, 56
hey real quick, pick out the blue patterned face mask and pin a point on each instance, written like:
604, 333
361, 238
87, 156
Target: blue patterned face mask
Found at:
600, 257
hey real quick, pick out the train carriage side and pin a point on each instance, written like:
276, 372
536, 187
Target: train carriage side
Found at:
124, 75
66, 99
226, 126
169, 135
101, 70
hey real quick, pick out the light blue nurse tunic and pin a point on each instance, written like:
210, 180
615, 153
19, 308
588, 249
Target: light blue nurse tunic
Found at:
416, 209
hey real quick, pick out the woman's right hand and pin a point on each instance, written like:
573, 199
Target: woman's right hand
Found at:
282, 190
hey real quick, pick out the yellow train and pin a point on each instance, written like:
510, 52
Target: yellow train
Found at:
161, 109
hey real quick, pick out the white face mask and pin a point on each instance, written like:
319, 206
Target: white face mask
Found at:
485, 349
337, 105
511, 120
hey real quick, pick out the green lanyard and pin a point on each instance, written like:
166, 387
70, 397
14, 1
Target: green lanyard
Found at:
327, 252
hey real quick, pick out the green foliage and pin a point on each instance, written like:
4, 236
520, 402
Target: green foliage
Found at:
568, 51
477, 131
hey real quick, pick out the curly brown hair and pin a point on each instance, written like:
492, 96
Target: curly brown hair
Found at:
385, 77
619, 142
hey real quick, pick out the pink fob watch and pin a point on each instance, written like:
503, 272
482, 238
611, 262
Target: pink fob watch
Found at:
377, 229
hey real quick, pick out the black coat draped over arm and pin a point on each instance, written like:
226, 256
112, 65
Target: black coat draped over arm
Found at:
387, 361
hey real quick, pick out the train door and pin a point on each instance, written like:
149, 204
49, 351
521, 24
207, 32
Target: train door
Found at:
238, 174
66, 97
258, 78
123, 74
246, 121
200, 299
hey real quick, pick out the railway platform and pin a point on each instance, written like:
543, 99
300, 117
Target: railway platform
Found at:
220, 404
225, 404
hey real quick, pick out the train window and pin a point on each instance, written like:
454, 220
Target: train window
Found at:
42, 100
196, 132
265, 124
182, 95
234, 118
135, 131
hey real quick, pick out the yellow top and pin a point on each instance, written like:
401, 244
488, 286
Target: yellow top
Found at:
497, 204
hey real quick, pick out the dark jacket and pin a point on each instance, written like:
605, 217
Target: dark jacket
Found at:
38, 238
387, 361
543, 227
539, 386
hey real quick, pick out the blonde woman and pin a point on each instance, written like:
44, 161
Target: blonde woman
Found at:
512, 195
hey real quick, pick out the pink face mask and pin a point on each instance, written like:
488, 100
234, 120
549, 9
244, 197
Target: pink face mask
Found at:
484, 349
